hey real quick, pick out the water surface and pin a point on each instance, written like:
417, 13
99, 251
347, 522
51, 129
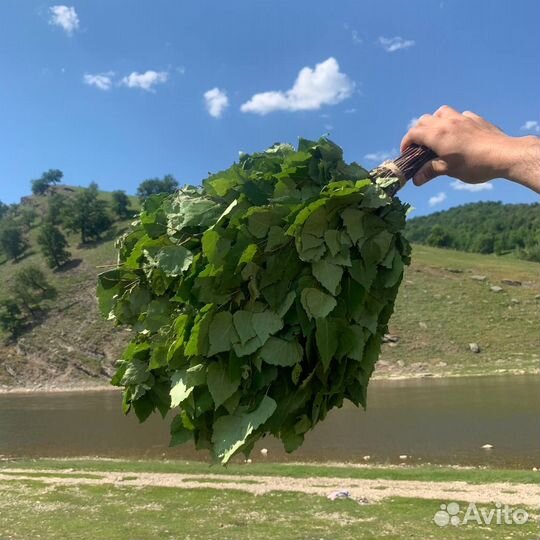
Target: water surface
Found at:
431, 420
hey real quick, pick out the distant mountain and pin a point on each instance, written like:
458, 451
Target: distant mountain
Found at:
483, 227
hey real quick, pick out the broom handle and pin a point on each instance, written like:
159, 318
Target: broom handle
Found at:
404, 167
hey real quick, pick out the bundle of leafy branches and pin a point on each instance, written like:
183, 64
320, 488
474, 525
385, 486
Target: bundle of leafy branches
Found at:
259, 300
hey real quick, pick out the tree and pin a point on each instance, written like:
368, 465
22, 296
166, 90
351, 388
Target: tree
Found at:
153, 186
12, 240
12, 320
4, 209
439, 237
26, 216
30, 288
53, 245
47, 179
56, 208
120, 204
87, 215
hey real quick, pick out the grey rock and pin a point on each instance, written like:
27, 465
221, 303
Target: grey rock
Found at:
479, 278
511, 282
496, 288
474, 347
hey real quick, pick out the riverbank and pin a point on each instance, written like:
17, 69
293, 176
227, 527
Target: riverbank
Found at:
382, 374
121, 500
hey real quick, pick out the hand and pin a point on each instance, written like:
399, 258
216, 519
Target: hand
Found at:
473, 150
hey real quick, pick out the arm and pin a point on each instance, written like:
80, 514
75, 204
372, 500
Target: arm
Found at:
474, 150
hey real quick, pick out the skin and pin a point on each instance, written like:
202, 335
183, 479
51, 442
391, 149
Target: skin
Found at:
474, 150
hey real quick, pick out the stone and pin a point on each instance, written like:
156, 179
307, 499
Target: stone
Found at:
264, 451
511, 282
514, 301
474, 347
495, 288
403, 457
341, 494
487, 446
479, 278
422, 325
366, 458
389, 338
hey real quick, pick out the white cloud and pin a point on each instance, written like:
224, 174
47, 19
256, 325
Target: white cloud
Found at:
437, 199
328, 127
145, 81
64, 16
531, 125
395, 43
462, 186
324, 85
103, 81
350, 111
381, 155
412, 122
356, 38
216, 102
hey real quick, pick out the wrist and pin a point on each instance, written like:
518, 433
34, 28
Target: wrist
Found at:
521, 162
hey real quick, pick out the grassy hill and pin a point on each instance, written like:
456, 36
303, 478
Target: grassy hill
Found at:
482, 227
445, 303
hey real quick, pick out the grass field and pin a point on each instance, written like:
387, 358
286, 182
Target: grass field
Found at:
36, 504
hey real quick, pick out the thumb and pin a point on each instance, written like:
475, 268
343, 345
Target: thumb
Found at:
430, 170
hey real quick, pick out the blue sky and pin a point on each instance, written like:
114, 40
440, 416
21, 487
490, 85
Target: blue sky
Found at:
113, 91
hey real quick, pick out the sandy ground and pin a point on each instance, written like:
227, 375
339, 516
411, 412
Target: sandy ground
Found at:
361, 490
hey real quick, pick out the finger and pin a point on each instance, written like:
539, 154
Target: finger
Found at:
430, 170
445, 112
414, 135
474, 116
482, 121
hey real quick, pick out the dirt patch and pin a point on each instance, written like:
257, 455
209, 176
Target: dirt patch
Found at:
359, 489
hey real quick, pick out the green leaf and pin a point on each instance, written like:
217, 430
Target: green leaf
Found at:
135, 373
280, 352
231, 431
221, 333
316, 303
220, 384
328, 274
174, 260
327, 340
265, 324
179, 388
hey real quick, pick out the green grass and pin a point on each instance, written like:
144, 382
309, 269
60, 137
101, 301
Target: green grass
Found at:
30, 509
429, 473
440, 310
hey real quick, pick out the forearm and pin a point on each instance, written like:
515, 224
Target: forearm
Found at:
523, 162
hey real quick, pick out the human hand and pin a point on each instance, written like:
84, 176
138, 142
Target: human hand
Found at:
473, 150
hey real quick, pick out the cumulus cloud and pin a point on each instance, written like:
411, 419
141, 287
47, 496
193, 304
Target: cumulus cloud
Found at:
145, 81
64, 16
462, 186
381, 155
437, 199
103, 81
395, 43
531, 125
323, 85
216, 101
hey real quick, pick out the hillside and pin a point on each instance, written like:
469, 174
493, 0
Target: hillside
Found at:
482, 227
445, 303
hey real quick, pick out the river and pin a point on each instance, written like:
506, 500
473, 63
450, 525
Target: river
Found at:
444, 421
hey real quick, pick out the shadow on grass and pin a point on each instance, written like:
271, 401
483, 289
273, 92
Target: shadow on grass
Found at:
67, 266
